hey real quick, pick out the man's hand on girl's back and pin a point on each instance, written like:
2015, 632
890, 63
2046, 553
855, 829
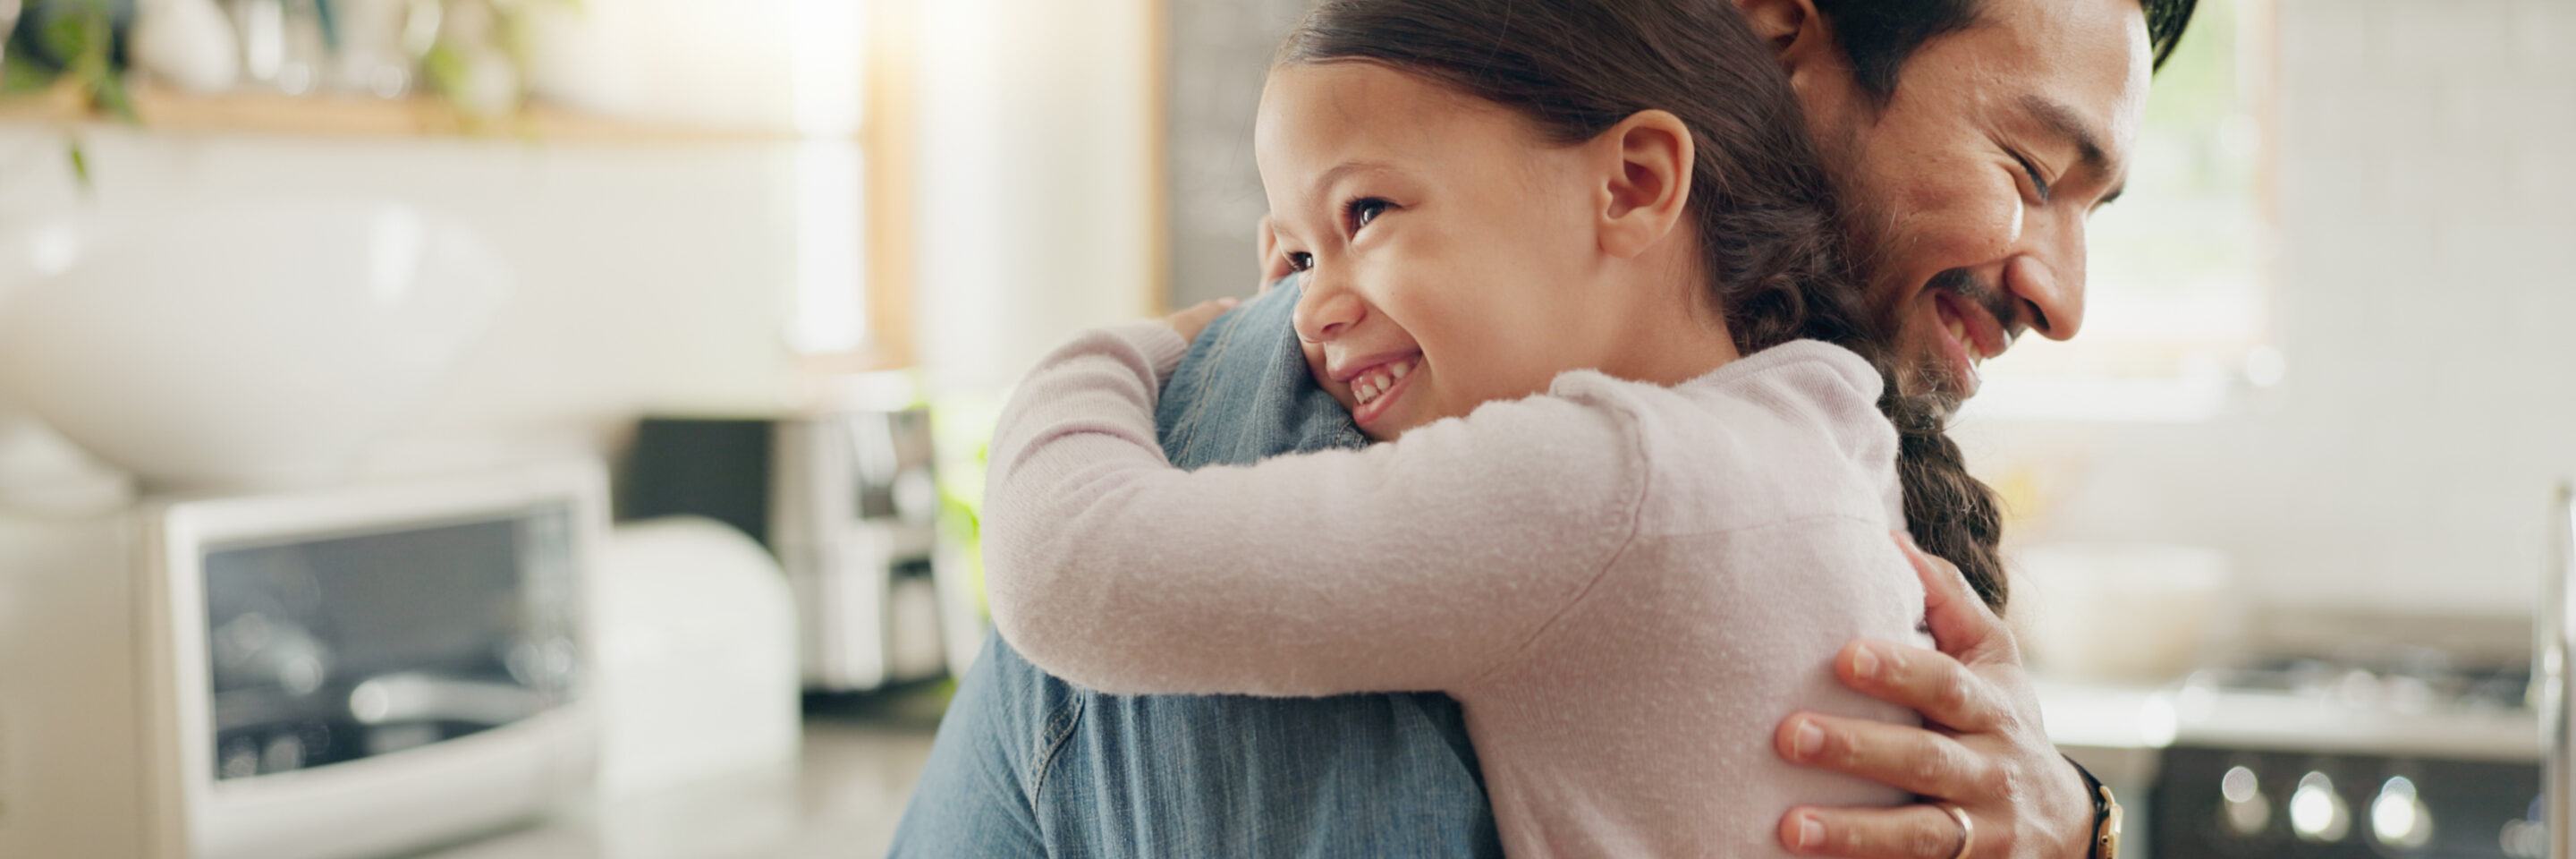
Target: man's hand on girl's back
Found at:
1982, 747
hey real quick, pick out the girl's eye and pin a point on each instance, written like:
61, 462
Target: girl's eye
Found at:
1363, 210
1300, 260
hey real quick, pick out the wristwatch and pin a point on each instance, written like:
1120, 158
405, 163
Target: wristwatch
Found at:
2106, 816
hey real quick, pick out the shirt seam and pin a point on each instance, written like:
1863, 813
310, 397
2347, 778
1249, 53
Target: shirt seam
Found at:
1636, 523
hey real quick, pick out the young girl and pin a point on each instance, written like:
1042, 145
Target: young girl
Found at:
1557, 253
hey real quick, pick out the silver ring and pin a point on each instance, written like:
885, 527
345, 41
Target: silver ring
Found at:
1967, 830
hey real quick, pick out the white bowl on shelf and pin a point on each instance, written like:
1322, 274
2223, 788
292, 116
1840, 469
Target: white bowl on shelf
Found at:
209, 346
2122, 612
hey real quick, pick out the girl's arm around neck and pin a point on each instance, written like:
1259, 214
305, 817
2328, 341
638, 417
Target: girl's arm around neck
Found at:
1415, 565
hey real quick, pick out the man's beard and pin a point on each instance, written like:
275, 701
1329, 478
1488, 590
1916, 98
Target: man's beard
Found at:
1931, 373
1869, 229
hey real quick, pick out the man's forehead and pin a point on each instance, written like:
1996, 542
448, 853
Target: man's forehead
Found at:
2079, 68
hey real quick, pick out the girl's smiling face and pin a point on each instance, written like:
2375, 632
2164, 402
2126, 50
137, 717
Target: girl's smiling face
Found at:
1452, 255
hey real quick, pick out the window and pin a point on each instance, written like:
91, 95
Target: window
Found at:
2177, 286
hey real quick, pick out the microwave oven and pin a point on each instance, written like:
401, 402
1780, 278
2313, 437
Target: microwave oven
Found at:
314, 674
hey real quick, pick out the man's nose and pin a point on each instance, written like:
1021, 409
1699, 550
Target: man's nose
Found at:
1326, 309
2049, 282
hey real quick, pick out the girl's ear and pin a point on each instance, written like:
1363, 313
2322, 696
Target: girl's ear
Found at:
1648, 191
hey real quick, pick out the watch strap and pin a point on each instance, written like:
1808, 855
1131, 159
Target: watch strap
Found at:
2105, 840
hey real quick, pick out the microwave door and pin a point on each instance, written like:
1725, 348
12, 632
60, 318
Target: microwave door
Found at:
2554, 634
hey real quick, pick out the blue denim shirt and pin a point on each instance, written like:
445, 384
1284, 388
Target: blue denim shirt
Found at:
1029, 765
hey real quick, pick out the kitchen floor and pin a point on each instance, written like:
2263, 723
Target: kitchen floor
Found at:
860, 760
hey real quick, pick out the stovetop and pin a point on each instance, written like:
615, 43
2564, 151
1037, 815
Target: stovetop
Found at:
2423, 705
2427, 682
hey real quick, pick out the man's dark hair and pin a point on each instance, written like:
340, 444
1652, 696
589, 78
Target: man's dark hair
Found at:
1880, 35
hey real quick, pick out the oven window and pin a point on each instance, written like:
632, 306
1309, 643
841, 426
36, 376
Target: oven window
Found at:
334, 649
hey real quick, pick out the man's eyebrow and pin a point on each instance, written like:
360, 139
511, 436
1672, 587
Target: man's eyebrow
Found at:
2063, 121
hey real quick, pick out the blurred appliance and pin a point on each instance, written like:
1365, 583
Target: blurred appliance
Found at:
301, 675
848, 502
2404, 753
2117, 611
697, 659
2553, 627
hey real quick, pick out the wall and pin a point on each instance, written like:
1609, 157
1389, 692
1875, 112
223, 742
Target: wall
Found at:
2426, 282
1039, 210
660, 275
649, 276
1221, 53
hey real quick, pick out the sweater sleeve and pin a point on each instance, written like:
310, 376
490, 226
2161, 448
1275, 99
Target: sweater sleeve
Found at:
1414, 565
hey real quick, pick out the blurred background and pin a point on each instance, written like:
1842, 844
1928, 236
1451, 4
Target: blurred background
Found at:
708, 307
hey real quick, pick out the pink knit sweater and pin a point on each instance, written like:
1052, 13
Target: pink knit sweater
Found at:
1627, 586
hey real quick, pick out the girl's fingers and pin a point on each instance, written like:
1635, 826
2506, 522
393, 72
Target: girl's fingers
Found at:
1910, 759
1933, 684
1961, 623
1195, 319
1911, 832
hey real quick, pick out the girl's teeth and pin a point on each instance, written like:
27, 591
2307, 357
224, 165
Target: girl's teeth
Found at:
1378, 379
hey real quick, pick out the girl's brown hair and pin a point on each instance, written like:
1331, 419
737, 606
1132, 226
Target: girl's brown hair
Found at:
1766, 215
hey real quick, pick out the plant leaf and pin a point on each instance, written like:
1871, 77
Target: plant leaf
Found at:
20, 74
80, 163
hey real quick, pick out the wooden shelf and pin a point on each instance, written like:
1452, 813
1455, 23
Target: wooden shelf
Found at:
163, 110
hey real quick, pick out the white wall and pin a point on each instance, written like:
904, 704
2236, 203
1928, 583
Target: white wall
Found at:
1038, 178
661, 275
648, 276
2426, 295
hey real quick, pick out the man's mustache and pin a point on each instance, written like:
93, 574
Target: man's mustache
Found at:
1968, 286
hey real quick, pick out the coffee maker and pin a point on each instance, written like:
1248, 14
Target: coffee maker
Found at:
848, 500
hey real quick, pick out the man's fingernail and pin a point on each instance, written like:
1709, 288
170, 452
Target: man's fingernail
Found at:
1810, 740
1811, 832
1865, 664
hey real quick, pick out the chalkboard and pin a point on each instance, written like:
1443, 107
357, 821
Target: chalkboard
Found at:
1220, 53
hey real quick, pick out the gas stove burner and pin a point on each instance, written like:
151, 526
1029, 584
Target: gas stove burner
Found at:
2386, 753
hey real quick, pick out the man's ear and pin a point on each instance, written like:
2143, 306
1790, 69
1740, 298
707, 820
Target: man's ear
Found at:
1647, 192
1798, 35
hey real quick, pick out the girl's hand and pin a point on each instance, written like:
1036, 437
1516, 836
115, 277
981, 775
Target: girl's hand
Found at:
1194, 320
1982, 747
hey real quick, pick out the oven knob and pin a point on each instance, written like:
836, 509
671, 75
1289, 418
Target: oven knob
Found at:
2399, 818
2317, 813
239, 758
2245, 810
2525, 839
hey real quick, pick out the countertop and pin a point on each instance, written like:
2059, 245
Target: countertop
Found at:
857, 769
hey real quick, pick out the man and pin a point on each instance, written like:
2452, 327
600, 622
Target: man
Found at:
1973, 138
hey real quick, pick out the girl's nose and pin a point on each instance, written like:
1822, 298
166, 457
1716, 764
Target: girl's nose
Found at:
1326, 310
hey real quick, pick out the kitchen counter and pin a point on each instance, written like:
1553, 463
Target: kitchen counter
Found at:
860, 761
857, 770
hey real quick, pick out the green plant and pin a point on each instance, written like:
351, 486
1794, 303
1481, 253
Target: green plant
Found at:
476, 36
69, 49
69, 46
